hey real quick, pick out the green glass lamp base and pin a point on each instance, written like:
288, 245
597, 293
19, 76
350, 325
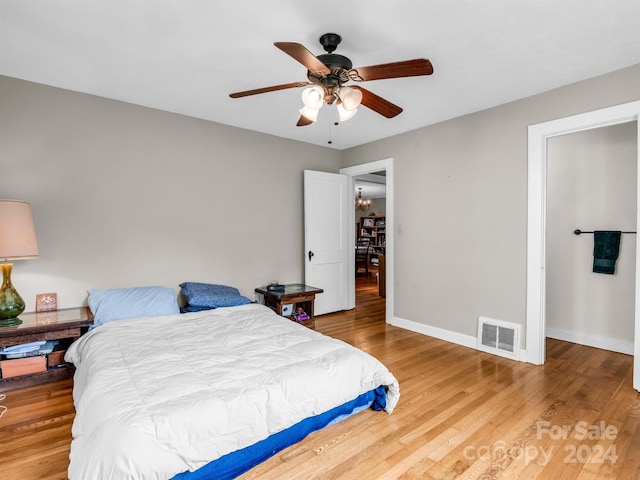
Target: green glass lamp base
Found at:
11, 303
10, 322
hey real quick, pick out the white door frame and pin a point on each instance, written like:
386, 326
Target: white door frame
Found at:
536, 226
352, 172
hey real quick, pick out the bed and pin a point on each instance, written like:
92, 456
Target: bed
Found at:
210, 393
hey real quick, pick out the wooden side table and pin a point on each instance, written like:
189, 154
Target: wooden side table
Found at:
297, 294
66, 325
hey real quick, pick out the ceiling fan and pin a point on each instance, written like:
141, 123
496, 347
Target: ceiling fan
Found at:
328, 73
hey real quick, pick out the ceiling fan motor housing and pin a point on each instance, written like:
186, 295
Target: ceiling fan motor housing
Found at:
333, 60
339, 66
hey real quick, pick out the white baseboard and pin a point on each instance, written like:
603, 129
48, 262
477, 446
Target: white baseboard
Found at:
441, 333
613, 344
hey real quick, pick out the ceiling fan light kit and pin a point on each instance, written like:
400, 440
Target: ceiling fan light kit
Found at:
345, 114
327, 74
309, 113
350, 98
313, 97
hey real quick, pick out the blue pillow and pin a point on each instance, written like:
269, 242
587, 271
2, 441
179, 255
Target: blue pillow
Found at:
212, 295
194, 308
120, 303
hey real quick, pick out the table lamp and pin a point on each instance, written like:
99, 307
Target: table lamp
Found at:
17, 242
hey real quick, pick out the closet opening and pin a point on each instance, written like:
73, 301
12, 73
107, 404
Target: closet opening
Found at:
590, 276
539, 136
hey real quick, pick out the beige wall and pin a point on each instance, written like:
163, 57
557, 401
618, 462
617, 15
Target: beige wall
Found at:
125, 196
461, 205
591, 185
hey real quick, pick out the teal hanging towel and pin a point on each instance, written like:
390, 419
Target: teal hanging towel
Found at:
606, 246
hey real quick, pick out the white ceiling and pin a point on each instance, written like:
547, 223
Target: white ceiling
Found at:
372, 185
186, 56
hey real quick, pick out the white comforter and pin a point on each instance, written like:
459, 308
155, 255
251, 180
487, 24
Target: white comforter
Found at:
158, 396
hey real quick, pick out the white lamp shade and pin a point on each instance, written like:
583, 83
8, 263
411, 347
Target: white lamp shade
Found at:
345, 114
310, 113
313, 97
350, 97
17, 233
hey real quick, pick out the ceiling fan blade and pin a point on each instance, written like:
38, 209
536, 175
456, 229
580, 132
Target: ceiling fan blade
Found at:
378, 104
284, 86
304, 56
408, 68
303, 121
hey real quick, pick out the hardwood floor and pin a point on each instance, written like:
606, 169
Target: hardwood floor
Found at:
462, 414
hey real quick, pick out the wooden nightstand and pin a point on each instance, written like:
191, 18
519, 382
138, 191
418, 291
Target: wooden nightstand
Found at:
66, 325
297, 294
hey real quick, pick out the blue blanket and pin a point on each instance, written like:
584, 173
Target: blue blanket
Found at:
236, 463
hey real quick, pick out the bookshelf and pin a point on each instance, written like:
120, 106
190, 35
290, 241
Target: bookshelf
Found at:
373, 228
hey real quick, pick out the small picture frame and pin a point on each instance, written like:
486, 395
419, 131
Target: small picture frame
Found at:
46, 302
287, 309
367, 222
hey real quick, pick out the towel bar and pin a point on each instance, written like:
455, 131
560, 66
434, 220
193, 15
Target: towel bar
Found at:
577, 231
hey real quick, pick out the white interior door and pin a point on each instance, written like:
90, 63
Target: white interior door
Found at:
326, 238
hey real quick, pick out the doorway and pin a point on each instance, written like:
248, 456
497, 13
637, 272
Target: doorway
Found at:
379, 166
536, 223
370, 225
591, 185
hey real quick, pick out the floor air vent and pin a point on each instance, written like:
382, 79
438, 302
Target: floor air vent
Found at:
499, 338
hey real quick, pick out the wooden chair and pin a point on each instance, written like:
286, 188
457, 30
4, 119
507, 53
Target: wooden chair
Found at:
362, 255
